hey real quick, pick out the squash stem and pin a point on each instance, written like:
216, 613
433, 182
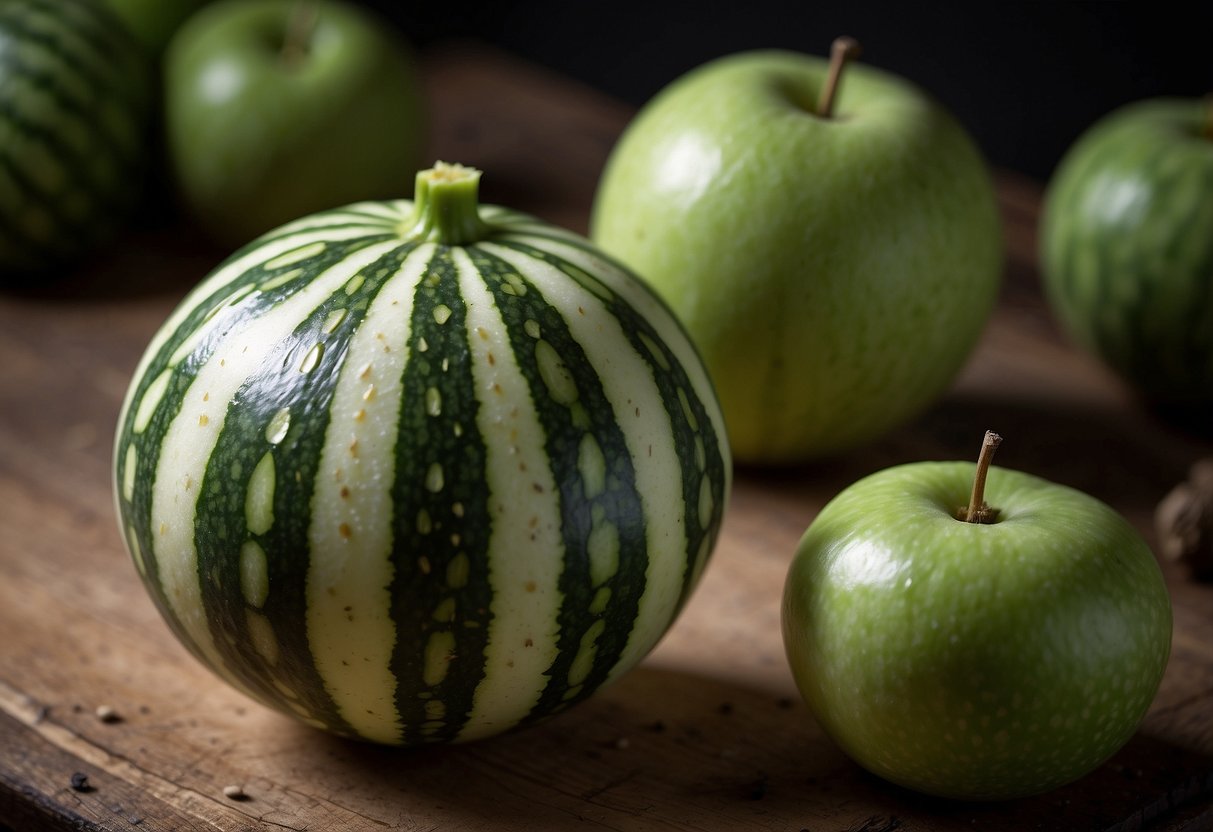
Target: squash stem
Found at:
447, 206
842, 51
978, 511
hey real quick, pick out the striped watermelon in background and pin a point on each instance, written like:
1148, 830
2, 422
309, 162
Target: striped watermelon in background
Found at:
1126, 250
75, 98
420, 472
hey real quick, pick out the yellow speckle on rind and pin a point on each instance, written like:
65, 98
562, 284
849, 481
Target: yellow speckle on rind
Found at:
458, 571
261, 632
333, 320
706, 503
254, 574
312, 358
259, 499
294, 256
433, 401
434, 480
583, 662
439, 651
555, 374
128, 472
278, 426
150, 401
592, 466
603, 549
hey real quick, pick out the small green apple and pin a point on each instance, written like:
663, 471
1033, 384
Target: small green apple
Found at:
279, 108
1127, 248
153, 22
979, 660
834, 264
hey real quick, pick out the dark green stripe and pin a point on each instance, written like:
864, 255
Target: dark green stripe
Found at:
668, 382
221, 527
424, 551
228, 321
619, 504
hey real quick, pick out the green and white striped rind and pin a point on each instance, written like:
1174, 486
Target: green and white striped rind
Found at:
411, 492
1127, 247
75, 95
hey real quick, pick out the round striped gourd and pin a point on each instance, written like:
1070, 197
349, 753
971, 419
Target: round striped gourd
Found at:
75, 97
420, 471
1126, 249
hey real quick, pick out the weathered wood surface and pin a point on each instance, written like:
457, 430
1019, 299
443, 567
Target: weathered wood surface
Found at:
708, 734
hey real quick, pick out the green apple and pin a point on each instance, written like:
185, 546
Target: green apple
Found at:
278, 108
979, 660
1127, 248
153, 22
835, 268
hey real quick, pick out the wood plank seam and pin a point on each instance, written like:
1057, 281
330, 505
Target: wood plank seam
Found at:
32, 715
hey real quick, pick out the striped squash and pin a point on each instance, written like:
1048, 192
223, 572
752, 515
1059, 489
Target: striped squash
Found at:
420, 471
1126, 249
75, 97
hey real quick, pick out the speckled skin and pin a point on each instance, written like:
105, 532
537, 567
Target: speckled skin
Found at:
1127, 247
975, 661
834, 273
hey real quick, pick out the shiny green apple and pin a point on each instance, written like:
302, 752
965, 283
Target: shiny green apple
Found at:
834, 269
277, 108
975, 660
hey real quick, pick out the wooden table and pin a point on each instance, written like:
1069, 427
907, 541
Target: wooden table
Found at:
708, 734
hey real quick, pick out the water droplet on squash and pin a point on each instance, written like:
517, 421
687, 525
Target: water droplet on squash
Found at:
434, 478
333, 320
279, 424
311, 359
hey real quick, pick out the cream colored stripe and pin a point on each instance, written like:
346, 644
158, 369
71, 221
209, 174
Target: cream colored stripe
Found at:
629, 386
306, 234
642, 299
646, 303
190, 440
350, 627
525, 520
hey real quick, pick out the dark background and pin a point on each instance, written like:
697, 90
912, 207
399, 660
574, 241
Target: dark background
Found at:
1025, 77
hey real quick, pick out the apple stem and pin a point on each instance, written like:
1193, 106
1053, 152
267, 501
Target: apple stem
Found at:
299, 28
978, 511
841, 51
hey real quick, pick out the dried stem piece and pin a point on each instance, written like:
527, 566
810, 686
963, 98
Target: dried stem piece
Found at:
1183, 521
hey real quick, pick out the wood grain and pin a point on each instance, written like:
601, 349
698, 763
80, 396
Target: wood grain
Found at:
708, 734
